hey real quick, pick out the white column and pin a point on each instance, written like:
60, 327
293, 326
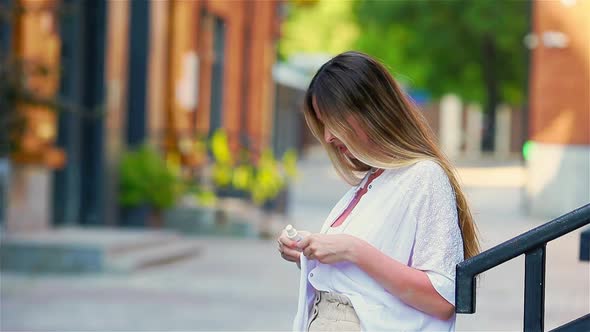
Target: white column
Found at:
473, 131
503, 132
28, 199
450, 125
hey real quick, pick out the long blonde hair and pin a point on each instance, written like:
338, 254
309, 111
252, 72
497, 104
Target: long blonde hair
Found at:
354, 85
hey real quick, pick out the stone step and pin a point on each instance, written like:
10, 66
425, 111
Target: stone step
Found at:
148, 241
81, 250
153, 256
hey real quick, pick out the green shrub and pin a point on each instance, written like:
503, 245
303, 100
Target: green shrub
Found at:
146, 179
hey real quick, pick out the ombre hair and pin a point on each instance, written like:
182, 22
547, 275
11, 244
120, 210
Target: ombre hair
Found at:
354, 86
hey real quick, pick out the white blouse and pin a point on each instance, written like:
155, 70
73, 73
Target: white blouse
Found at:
409, 214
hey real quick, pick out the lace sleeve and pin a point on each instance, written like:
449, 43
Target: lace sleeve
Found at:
438, 245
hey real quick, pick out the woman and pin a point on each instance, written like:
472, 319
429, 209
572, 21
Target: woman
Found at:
385, 258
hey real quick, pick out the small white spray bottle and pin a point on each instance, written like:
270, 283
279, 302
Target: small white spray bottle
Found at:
292, 233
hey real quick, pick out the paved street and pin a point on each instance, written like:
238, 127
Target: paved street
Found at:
244, 285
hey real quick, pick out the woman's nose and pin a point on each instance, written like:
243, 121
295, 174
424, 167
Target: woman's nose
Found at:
328, 137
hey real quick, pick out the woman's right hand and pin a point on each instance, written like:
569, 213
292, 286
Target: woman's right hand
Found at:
288, 248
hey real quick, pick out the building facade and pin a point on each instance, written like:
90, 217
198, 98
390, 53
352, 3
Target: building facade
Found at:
559, 115
162, 72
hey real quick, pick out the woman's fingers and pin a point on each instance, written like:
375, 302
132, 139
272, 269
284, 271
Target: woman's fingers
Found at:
290, 254
285, 247
285, 241
308, 252
291, 250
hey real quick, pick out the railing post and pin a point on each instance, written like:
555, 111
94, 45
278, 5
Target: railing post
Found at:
533, 244
534, 290
585, 245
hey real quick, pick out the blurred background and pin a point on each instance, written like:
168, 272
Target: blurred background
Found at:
152, 151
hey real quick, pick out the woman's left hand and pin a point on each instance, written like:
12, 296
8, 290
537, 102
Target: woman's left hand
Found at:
329, 248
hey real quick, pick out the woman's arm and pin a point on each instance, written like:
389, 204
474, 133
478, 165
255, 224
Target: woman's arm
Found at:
410, 285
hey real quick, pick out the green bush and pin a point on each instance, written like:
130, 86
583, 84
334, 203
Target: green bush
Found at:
146, 179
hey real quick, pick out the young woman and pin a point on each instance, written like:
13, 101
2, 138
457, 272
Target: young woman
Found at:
385, 258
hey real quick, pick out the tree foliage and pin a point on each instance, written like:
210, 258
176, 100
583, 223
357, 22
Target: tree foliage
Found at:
318, 27
460, 46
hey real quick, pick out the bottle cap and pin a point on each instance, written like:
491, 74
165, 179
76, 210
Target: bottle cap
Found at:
291, 232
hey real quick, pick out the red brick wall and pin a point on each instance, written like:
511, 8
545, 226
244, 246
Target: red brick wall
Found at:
260, 86
560, 77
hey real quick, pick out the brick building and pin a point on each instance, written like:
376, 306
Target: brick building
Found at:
559, 115
158, 71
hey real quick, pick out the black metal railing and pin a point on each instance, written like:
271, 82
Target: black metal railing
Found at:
533, 244
585, 245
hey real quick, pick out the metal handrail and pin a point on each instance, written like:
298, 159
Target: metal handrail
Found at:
532, 244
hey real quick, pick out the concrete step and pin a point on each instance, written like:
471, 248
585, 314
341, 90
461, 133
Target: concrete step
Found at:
145, 242
141, 258
91, 250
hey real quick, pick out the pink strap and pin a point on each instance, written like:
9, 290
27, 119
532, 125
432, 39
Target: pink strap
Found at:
357, 198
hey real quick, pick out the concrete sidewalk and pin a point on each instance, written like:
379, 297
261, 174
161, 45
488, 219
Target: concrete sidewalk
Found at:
240, 285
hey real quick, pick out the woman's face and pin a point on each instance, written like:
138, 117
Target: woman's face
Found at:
331, 139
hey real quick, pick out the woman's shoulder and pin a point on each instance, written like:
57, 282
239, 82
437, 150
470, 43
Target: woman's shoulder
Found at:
426, 176
422, 175
428, 170
427, 166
